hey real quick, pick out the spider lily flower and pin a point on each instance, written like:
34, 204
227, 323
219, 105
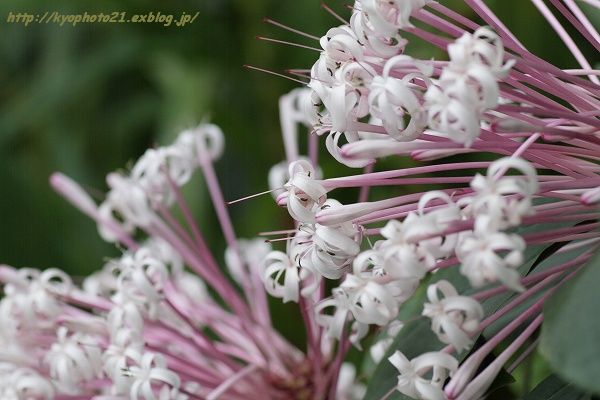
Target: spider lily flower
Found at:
479, 219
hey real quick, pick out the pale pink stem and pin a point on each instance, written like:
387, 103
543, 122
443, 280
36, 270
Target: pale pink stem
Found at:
203, 342
334, 370
407, 172
228, 383
363, 195
256, 296
204, 251
576, 236
515, 302
174, 225
523, 356
217, 281
582, 71
468, 368
478, 385
579, 21
593, 3
561, 232
488, 16
222, 287
579, 260
309, 325
565, 37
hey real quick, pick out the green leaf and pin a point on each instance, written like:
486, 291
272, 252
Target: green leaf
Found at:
571, 329
553, 388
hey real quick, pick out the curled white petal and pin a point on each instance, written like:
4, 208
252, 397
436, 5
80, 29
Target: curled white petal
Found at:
483, 261
453, 317
412, 381
305, 195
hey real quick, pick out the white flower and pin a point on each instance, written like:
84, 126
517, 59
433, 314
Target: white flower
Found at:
395, 100
126, 205
369, 263
402, 258
347, 387
31, 297
121, 352
282, 277
152, 370
334, 323
17, 383
124, 316
483, 47
453, 317
467, 86
279, 176
295, 107
305, 195
482, 260
380, 348
206, 142
388, 16
334, 249
434, 218
142, 280
371, 303
73, 360
412, 381
325, 250
149, 173
375, 43
504, 199
341, 45
340, 101
452, 112
328, 250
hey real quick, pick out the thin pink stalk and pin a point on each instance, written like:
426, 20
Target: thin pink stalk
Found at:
565, 37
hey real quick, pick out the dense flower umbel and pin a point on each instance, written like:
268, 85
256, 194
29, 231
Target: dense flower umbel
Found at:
146, 326
371, 100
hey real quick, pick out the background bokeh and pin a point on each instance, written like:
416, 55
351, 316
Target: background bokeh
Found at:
86, 100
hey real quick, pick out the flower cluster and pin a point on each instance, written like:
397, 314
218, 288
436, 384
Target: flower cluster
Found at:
371, 101
506, 146
163, 321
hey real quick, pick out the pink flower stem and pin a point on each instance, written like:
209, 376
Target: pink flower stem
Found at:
470, 365
191, 222
217, 281
218, 201
582, 23
406, 172
561, 233
363, 195
334, 370
581, 259
485, 378
565, 37
174, 225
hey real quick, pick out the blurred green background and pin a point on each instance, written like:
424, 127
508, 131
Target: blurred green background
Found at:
88, 99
